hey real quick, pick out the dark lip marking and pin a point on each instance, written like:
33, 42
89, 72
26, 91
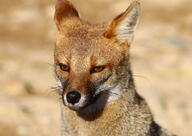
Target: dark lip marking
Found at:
91, 101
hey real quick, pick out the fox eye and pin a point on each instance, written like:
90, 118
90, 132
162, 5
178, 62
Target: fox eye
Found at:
64, 67
98, 69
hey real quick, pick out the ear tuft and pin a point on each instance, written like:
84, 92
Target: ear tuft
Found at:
123, 26
64, 9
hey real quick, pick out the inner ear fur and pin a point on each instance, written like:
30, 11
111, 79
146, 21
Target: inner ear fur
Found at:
123, 26
64, 10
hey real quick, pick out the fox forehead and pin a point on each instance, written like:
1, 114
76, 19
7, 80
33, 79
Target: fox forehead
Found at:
86, 42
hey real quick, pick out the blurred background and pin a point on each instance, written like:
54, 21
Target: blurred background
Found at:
161, 62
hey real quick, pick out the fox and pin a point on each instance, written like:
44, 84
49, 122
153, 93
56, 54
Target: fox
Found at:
95, 80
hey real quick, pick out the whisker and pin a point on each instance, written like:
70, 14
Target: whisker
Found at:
50, 64
108, 93
112, 93
60, 98
136, 75
57, 89
143, 77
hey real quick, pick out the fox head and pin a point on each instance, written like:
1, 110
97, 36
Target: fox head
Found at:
92, 61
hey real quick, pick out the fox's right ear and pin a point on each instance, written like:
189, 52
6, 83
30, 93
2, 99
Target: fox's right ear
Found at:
64, 10
123, 26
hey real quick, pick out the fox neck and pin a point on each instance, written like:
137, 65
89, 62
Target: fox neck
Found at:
126, 81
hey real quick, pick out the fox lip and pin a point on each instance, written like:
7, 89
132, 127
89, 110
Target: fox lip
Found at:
72, 107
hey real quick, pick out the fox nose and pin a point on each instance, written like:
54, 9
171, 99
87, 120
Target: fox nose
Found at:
73, 97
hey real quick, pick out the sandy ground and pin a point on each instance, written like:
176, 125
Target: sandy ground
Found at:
161, 61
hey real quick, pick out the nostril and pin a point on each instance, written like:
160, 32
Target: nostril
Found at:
73, 97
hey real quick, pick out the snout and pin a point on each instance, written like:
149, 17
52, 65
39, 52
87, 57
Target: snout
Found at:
74, 100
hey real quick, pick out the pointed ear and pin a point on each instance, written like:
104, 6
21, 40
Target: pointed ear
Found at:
123, 26
64, 10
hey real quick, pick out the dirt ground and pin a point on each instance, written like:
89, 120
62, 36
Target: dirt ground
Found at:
161, 62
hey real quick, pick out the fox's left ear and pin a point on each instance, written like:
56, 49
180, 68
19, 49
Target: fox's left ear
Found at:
123, 26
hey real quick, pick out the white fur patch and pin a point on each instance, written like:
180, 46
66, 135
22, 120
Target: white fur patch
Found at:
115, 93
60, 86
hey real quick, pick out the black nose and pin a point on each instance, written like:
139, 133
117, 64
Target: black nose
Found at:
73, 97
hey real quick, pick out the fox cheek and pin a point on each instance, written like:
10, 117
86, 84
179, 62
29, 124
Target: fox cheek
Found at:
91, 88
62, 82
102, 84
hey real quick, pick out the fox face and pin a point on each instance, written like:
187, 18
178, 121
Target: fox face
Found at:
91, 61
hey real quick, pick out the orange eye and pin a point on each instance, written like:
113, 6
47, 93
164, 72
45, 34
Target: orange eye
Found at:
98, 69
64, 67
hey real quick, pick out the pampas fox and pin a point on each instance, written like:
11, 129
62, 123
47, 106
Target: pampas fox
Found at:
95, 78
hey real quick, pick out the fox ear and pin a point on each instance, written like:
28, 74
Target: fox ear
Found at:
64, 10
123, 26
